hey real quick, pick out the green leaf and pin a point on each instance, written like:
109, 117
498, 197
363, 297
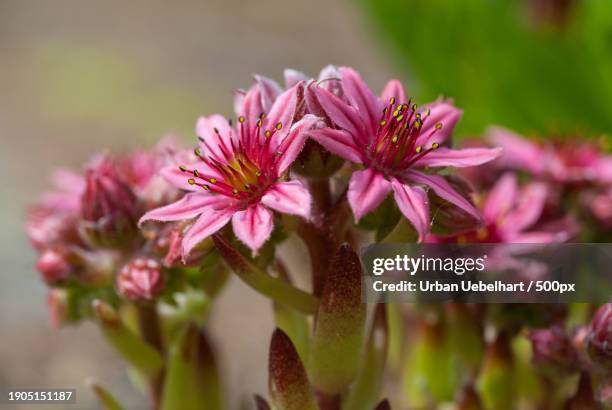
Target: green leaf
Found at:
267, 285
136, 352
496, 382
192, 380
106, 399
288, 384
365, 391
339, 328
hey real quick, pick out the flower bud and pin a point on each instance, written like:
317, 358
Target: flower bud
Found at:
53, 266
108, 206
599, 338
552, 347
140, 279
315, 162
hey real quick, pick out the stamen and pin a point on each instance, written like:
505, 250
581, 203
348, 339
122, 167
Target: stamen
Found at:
241, 119
435, 145
279, 126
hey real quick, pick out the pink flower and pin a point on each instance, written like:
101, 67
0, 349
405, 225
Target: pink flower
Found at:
560, 161
240, 173
140, 279
394, 142
509, 213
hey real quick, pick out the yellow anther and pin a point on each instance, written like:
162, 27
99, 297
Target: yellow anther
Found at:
213, 180
191, 181
183, 168
400, 117
241, 119
435, 145
383, 122
205, 187
419, 149
268, 133
197, 152
439, 126
394, 139
279, 126
259, 122
392, 100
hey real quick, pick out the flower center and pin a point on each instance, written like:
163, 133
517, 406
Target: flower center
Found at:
243, 167
399, 137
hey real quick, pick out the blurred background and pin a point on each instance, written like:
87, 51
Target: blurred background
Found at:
79, 77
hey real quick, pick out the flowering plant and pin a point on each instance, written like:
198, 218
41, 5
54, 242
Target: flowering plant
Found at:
142, 244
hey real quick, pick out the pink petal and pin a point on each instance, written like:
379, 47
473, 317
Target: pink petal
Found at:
529, 209
361, 96
251, 107
290, 197
394, 89
444, 190
367, 189
501, 198
282, 112
179, 179
518, 152
341, 113
216, 132
270, 90
338, 142
187, 207
412, 202
292, 77
292, 145
329, 78
253, 226
441, 112
604, 170
539, 237
468, 157
207, 224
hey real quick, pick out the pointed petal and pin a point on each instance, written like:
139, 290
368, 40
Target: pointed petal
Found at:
292, 145
501, 198
292, 77
215, 130
394, 89
367, 189
251, 107
458, 158
444, 190
288, 197
330, 79
282, 112
526, 213
340, 113
518, 152
362, 97
187, 207
412, 202
269, 89
253, 226
338, 142
441, 112
207, 224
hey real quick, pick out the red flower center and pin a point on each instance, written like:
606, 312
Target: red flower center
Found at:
397, 144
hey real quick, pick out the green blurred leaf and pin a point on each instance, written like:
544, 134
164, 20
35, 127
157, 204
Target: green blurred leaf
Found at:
136, 352
107, 400
502, 67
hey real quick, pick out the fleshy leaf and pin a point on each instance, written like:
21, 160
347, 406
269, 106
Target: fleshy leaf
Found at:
262, 282
137, 353
107, 400
287, 381
339, 329
366, 389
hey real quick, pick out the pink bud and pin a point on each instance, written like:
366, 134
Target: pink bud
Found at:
108, 205
140, 279
553, 347
599, 338
53, 266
